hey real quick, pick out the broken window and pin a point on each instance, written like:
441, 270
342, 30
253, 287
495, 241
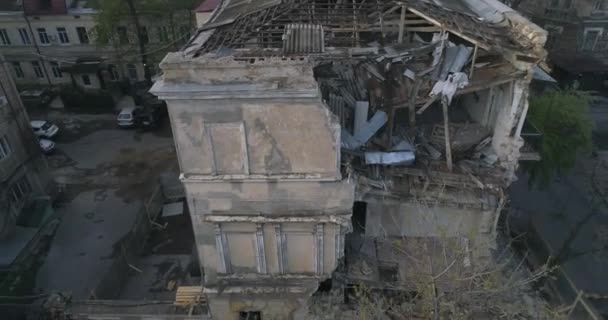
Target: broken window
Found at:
123, 37
144, 35
388, 273
20, 189
132, 72
590, 38
600, 5
554, 32
359, 217
250, 315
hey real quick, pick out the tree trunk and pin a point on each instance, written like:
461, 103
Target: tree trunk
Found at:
140, 40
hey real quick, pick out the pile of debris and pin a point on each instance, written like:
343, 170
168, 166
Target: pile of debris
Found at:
369, 92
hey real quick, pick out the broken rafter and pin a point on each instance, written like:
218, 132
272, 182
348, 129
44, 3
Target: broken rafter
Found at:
473, 62
456, 32
402, 23
446, 124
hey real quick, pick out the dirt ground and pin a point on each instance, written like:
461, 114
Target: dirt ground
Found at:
104, 173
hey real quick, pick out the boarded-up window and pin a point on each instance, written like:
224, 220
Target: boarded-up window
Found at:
242, 252
229, 148
300, 252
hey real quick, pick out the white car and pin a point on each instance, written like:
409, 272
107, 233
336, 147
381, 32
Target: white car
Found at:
44, 128
126, 117
46, 145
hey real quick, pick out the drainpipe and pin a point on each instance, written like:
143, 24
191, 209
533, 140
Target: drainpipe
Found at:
29, 26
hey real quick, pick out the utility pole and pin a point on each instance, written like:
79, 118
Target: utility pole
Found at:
140, 40
40, 56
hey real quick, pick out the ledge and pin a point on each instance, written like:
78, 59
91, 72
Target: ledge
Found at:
228, 178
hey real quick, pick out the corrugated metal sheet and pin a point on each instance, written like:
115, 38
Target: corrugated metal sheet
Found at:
303, 38
373, 125
454, 59
230, 10
390, 158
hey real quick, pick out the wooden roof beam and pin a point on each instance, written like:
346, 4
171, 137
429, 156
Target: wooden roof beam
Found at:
455, 32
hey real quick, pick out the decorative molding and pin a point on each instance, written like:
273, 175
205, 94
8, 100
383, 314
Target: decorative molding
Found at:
260, 249
339, 250
319, 246
223, 254
281, 248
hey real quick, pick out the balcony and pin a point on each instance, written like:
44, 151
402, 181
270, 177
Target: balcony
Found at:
560, 14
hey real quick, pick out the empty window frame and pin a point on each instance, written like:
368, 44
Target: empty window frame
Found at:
37, 69
43, 36
591, 37
63, 35
4, 38
25, 36
83, 36
5, 148
18, 70
56, 71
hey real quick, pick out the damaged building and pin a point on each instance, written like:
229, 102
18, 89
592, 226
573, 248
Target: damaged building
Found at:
303, 127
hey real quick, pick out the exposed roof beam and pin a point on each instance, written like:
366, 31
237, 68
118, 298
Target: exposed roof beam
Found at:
439, 24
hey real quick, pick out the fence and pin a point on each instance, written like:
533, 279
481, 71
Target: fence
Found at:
130, 247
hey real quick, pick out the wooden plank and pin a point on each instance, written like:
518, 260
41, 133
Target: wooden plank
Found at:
402, 24
458, 33
423, 29
188, 295
473, 62
412, 103
427, 104
446, 124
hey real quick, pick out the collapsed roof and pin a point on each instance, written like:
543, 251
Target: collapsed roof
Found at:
266, 23
380, 68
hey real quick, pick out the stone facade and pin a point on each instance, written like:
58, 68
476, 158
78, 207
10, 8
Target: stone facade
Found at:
578, 37
260, 162
23, 169
58, 47
264, 135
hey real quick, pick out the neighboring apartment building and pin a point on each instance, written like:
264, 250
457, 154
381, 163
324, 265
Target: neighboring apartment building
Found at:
285, 113
578, 36
24, 175
53, 43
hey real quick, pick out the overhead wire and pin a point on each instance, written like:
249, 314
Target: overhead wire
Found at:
108, 59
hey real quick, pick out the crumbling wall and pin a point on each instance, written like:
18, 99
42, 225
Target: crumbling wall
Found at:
483, 106
256, 137
284, 303
506, 140
390, 218
260, 161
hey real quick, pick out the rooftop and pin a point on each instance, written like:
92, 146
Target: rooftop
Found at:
239, 24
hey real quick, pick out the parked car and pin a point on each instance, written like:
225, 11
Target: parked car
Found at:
127, 116
44, 128
46, 145
151, 116
37, 98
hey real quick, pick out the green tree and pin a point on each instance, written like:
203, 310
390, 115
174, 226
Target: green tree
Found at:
563, 119
113, 13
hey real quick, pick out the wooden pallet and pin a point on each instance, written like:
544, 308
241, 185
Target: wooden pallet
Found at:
187, 296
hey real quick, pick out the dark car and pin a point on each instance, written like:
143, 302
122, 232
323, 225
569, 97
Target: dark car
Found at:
37, 98
151, 116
